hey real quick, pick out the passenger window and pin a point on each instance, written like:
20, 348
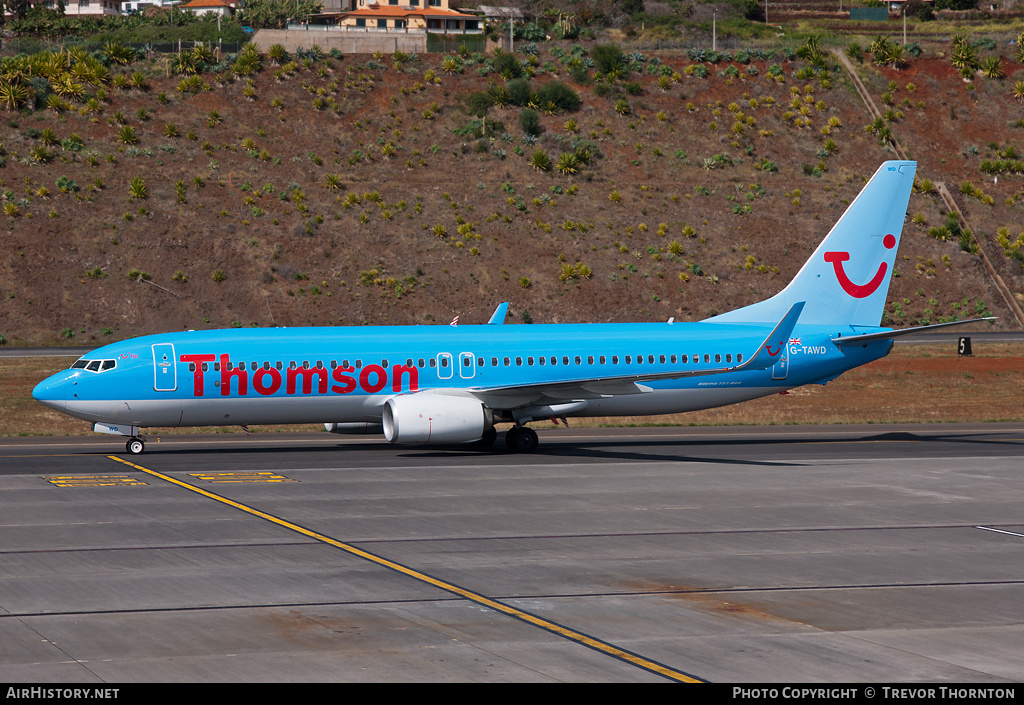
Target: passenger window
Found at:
601, 359
519, 362
433, 362
191, 367
629, 359
529, 361
650, 359
615, 359
739, 357
684, 359
590, 359
718, 357
728, 357
444, 362
707, 358
541, 360
421, 362
507, 362
494, 362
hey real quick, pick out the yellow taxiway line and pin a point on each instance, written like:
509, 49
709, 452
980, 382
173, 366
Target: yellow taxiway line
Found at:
554, 628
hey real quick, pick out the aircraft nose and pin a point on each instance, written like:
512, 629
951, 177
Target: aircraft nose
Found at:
52, 391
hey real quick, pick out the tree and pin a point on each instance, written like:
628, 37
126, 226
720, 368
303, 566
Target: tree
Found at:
274, 14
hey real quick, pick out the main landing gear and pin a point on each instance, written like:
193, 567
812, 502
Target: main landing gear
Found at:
135, 446
521, 439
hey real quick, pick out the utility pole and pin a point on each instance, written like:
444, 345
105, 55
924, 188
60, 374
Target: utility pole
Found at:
714, 36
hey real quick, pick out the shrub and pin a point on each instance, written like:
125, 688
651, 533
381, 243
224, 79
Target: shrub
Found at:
508, 66
564, 97
519, 91
529, 120
608, 58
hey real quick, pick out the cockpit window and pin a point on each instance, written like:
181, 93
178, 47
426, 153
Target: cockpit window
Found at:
94, 365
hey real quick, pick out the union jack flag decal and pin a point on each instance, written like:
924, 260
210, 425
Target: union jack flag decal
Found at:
794, 341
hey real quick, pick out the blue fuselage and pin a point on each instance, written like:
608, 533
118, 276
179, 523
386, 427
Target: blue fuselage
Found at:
303, 375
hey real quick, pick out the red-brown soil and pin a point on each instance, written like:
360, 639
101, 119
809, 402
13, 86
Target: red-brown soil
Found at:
309, 258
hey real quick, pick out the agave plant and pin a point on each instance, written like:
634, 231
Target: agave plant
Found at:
964, 57
567, 163
202, 54
991, 67
893, 55
118, 53
126, 135
540, 161
451, 65
14, 93
137, 189
67, 87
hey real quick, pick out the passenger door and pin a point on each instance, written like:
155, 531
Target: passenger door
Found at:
165, 372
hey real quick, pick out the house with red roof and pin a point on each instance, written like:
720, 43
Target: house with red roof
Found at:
413, 15
209, 7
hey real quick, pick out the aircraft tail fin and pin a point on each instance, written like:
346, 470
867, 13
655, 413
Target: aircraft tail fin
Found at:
846, 280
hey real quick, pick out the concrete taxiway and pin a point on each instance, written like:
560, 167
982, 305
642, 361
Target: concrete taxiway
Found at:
783, 554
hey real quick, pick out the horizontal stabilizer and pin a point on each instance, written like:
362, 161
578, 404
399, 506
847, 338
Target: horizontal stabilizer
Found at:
890, 334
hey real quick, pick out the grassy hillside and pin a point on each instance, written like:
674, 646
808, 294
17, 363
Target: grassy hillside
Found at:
321, 190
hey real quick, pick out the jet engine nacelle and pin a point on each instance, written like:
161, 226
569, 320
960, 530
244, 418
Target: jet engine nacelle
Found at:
435, 418
356, 428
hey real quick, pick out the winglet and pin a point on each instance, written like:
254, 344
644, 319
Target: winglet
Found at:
498, 317
771, 349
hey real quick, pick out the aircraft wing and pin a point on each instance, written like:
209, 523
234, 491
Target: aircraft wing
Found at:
890, 334
766, 355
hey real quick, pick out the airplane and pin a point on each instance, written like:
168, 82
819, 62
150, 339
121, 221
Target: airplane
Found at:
452, 384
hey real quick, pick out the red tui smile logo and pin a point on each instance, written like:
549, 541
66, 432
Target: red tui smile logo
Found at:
859, 291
